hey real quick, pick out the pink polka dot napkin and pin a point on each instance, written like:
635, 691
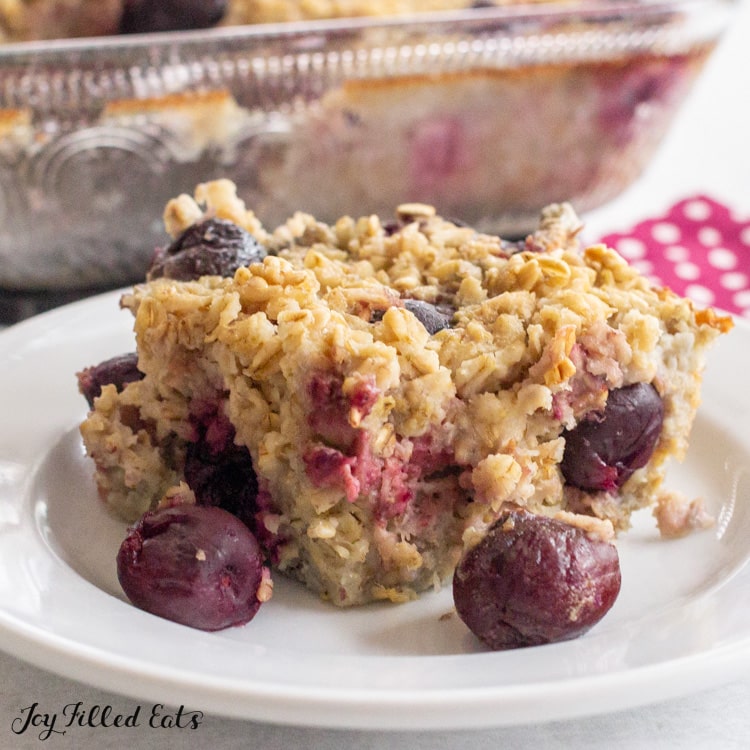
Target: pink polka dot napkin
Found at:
699, 249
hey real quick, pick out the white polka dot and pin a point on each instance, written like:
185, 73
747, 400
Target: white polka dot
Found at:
700, 294
665, 232
746, 313
697, 210
722, 258
687, 271
745, 236
742, 299
630, 248
709, 236
644, 266
676, 253
734, 281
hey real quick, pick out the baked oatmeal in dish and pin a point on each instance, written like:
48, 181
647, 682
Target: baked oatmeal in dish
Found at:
370, 395
487, 113
446, 138
27, 20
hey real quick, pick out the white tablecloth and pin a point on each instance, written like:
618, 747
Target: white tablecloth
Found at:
714, 720
708, 151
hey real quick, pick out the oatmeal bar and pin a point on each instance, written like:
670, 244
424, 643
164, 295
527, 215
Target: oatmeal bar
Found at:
393, 384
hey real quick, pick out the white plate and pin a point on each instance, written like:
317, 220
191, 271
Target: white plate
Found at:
682, 621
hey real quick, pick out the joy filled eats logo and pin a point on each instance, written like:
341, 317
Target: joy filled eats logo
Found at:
34, 720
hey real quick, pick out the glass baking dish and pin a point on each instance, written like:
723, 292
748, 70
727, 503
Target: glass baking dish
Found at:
488, 114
